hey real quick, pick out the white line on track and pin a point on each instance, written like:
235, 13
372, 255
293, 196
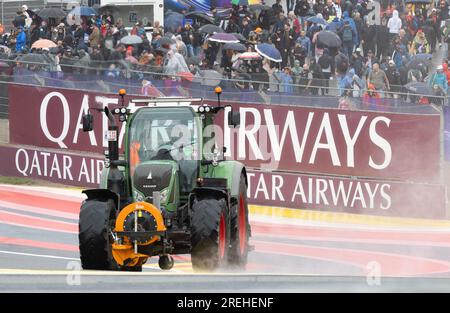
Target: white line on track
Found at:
39, 255
37, 210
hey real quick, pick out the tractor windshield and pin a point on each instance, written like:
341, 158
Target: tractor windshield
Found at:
166, 133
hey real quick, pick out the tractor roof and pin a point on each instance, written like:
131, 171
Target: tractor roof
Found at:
169, 101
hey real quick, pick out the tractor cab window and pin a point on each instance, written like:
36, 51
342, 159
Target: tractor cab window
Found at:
166, 134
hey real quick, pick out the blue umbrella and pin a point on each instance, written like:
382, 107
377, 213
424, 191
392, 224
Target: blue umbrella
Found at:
83, 11
173, 20
317, 20
269, 52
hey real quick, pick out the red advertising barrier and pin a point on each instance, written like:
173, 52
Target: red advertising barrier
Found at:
293, 138
373, 197
336, 194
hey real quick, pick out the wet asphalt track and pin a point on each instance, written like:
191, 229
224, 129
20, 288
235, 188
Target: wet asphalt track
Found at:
39, 253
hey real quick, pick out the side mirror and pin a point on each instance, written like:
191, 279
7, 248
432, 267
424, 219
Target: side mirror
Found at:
234, 118
88, 122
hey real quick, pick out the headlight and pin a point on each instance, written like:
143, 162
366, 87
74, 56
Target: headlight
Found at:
123, 110
207, 109
201, 109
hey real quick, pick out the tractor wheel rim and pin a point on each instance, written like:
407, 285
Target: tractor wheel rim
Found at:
242, 226
222, 237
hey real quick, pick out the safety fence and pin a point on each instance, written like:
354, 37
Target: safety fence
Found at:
276, 88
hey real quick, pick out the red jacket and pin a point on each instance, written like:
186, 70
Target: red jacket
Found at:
446, 72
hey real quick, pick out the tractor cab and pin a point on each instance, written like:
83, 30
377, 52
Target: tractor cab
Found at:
164, 153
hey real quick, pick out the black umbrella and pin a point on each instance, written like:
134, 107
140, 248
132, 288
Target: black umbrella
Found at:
201, 17
108, 7
165, 41
328, 39
51, 13
210, 29
418, 1
420, 88
234, 46
209, 78
419, 63
162, 50
258, 7
239, 37
34, 58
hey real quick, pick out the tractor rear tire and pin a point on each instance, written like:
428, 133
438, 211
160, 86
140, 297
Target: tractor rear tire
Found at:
209, 234
239, 230
94, 238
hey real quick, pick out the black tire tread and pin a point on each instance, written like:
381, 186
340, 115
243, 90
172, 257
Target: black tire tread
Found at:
205, 233
95, 249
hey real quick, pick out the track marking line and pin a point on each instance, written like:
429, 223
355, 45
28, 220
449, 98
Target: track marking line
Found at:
39, 255
24, 220
37, 210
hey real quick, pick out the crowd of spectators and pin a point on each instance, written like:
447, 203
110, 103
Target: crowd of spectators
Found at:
375, 59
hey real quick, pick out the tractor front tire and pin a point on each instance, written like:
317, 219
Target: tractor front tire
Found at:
240, 230
209, 234
94, 238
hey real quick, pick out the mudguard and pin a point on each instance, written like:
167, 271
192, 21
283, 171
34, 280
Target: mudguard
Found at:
232, 171
102, 195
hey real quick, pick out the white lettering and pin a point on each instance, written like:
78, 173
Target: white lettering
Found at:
66, 120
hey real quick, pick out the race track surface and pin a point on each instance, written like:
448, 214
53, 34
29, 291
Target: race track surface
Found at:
39, 253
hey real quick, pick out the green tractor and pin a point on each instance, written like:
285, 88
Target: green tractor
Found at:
168, 194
